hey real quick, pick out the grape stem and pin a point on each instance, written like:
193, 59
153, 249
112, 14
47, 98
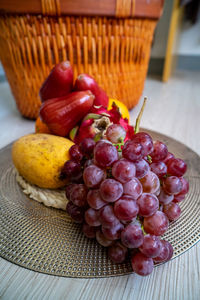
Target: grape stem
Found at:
137, 123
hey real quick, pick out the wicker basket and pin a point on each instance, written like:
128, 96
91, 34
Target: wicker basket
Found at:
109, 40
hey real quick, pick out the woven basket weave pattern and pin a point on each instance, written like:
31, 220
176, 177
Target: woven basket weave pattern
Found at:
113, 50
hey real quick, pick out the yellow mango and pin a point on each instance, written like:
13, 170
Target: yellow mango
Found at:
39, 159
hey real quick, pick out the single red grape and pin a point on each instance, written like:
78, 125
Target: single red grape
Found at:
92, 217
105, 154
94, 199
111, 190
159, 168
117, 252
133, 188
87, 146
75, 212
89, 231
145, 140
107, 216
156, 224
123, 170
102, 240
185, 187
141, 264
125, 210
148, 204
172, 211
78, 195
151, 246
114, 232
150, 183
75, 153
172, 185
164, 252
71, 168
132, 150
132, 236
93, 176
165, 198
160, 151
168, 157
115, 133
176, 167
142, 168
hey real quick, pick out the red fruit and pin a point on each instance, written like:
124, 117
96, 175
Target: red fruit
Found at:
85, 82
62, 114
59, 82
85, 131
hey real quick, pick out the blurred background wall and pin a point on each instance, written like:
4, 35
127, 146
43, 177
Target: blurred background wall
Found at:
184, 19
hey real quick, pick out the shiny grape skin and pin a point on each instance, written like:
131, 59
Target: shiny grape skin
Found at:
111, 190
105, 154
132, 150
176, 167
178, 198
68, 190
78, 195
160, 151
142, 168
75, 212
159, 168
141, 264
102, 240
145, 140
172, 185
125, 210
94, 199
92, 217
164, 253
117, 252
172, 211
71, 168
93, 176
150, 183
133, 188
148, 204
151, 246
185, 187
107, 216
156, 224
165, 198
89, 231
171, 250
114, 232
123, 170
75, 153
168, 157
115, 133
87, 146
132, 236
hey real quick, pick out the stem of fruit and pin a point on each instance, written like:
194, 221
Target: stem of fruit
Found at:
137, 123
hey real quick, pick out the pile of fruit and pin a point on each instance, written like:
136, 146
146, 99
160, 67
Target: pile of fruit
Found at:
77, 108
123, 187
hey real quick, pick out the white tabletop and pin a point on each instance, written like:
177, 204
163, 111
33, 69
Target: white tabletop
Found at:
173, 109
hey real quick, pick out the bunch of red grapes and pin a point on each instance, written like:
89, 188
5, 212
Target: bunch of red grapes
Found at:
125, 195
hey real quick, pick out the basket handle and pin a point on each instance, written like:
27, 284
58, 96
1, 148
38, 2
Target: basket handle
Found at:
51, 7
125, 8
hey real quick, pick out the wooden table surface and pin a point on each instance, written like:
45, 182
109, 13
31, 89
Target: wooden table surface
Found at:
173, 109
